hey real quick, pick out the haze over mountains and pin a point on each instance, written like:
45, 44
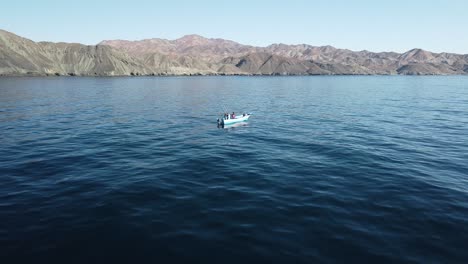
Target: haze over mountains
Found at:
196, 55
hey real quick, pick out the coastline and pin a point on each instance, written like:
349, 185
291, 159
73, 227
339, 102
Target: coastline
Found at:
212, 75
198, 56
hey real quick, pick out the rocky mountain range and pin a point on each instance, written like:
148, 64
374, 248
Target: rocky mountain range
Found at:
196, 55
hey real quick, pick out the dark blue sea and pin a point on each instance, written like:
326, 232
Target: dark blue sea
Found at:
344, 169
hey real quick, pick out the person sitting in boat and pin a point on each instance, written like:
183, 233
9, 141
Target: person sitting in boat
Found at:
233, 115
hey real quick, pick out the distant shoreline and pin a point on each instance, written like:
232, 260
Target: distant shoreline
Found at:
209, 75
195, 55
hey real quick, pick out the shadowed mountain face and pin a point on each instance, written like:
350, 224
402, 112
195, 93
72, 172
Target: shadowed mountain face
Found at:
196, 55
19, 56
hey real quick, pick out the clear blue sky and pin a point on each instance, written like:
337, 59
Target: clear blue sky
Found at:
361, 24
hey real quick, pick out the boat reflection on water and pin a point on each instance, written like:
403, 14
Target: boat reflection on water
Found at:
239, 124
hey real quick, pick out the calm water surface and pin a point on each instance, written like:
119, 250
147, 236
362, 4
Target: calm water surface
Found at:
328, 169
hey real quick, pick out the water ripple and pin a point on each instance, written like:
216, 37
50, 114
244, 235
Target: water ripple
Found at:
330, 169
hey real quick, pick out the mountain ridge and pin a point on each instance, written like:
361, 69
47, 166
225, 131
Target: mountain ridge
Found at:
196, 55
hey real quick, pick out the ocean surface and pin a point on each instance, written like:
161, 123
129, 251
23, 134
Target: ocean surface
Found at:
344, 169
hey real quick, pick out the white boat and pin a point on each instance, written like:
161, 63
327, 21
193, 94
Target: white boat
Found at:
230, 121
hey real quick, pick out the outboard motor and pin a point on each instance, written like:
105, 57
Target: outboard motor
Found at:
220, 123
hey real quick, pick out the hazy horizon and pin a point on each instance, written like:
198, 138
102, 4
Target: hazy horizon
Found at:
398, 26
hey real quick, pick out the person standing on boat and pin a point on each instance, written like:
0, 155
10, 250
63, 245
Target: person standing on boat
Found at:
233, 115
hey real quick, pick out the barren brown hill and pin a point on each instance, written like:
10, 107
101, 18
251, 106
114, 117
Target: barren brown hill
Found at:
191, 45
20, 56
196, 55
